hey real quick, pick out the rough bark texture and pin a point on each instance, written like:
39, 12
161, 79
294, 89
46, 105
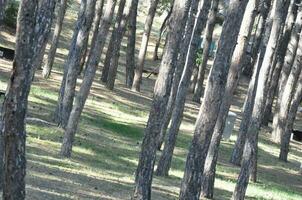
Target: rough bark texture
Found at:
288, 63
191, 183
162, 29
206, 49
250, 150
144, 172
285, 138
130, 53
236, 67
113, 41
279, 59
144, 44
91, 67
179, 71
74, 58
120, 31
15, 103
61, 10
262, 36
287, 95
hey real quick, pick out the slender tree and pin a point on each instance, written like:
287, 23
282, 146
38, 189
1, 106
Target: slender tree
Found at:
130, 53
285, 138
208, 113
61, 10
91, 66
15, 103
206, 50
113, 41
144, 44
236, 67
250, 152
185, 63
185, 43
72, 64
279, 59
144, 172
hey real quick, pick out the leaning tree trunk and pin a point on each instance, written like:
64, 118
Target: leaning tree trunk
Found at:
130, 52
237, 64
288, 62
144, 172
285, 138
61, 10
288, 94
113, 41
120, 31
250, 150
73, 61
208, 113
2, 10
91, 66
160, 34
280, 54
185, 43
262, 37
206, 50
144, 44
15, 104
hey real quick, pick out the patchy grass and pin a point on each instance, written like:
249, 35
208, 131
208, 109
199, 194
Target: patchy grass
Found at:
107, 144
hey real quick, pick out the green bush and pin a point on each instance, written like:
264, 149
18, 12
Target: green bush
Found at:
11, 13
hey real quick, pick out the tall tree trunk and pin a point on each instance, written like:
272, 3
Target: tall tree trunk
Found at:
2, 10
280, 54
237, 63
116, 50
194, 79
160, 34
144, 172
73, 61
185, 44
208, 113
130, 53
61, 10
91, 66
262, 35
206, 50
288, 63
144, 44
250, 150
285, 138
288, 93
113, 40
28, 47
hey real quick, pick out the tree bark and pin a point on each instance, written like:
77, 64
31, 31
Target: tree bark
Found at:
61, 10
280, 54
113, 41
288, 63
208, 113
185, 44
144, 172
130, 53
285, 137
160, 34
144, 44
72, 63
237, 63
206, 49
250, 150
91, 66
288, 94
250, 98
15, 103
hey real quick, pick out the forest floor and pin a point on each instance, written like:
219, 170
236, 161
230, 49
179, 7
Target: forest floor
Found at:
107, 144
